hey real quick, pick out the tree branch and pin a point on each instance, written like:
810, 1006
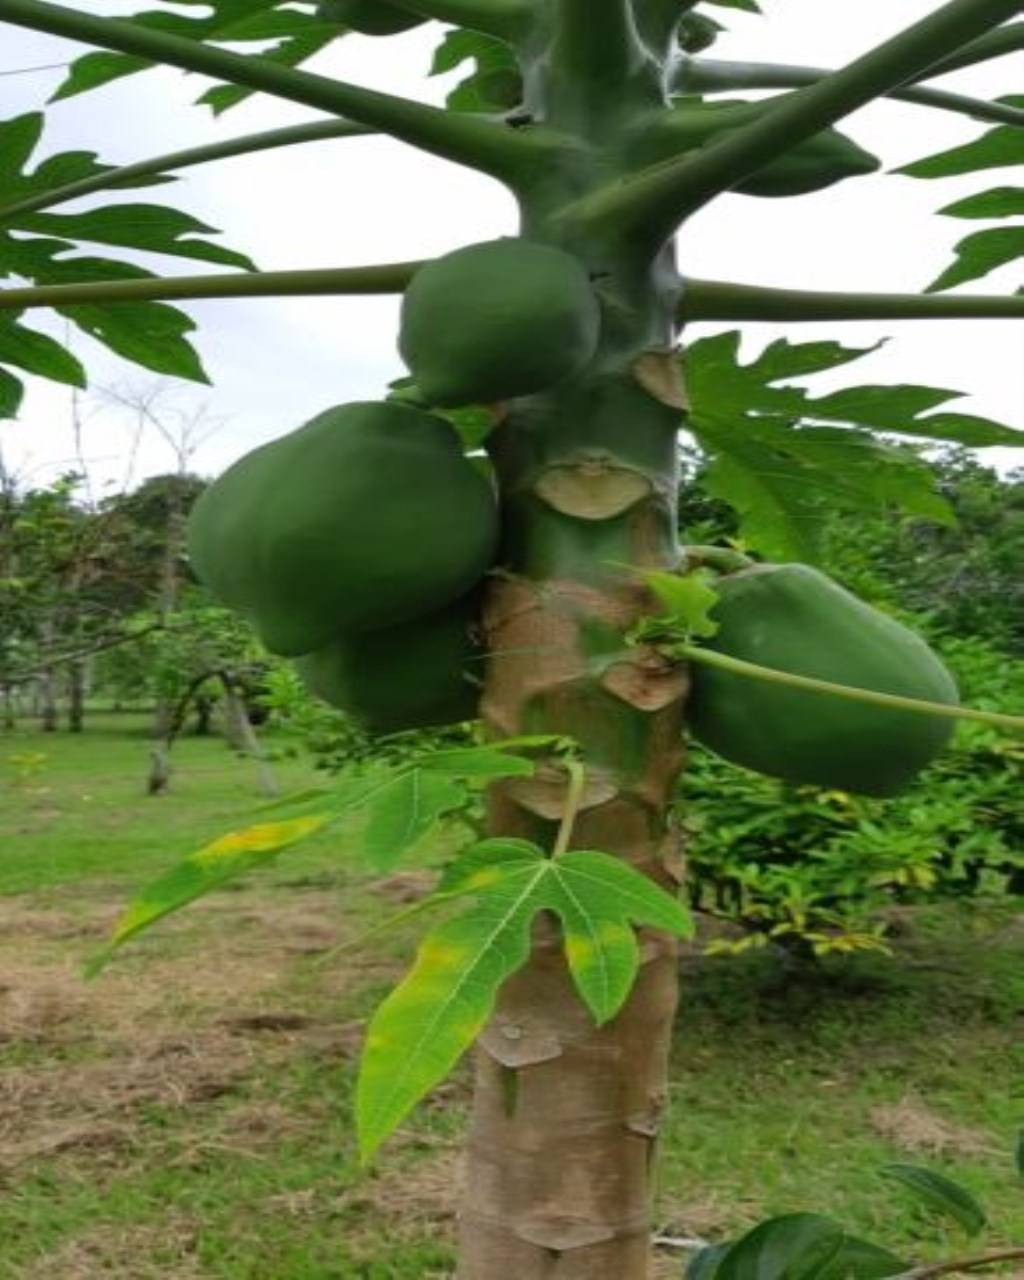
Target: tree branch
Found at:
248, 144
992, 45
712, 75
655, 201
97, 646
724, 300
389, 277
929, 1270
482, 144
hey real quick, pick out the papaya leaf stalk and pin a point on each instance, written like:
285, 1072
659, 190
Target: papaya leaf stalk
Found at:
486, 145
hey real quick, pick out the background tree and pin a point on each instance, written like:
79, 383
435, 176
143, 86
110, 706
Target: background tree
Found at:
610, 139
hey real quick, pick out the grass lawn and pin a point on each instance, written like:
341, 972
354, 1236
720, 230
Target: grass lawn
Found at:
186, 1115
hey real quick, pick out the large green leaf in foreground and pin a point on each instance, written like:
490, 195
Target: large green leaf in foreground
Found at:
422, 1029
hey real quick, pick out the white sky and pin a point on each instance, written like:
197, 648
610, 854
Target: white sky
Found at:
274, 363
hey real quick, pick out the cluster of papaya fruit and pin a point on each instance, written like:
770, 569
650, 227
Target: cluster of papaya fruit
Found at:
793, 619
357, 544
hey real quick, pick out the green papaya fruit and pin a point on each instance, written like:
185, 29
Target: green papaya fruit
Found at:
369, 17
416, 675
792, 618
819, 162
499, 319
368, 516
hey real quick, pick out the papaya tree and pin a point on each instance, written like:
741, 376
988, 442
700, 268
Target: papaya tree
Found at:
497, 537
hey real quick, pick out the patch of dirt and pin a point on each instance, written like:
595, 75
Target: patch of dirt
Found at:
910, 1125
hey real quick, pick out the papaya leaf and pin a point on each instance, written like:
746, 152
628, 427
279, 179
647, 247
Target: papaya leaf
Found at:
493, 85
1003, 145
208, 868
154, 228
425, 1025
686, 599
980, 253
777, 454
11, 393
483, 763
795, 1246
704, 1264
1000, 202
939, 1194
401, 815
751, 6
296, 35
36, 353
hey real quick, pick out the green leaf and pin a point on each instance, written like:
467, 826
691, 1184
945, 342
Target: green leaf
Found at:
1003, 145
440, 1007
477, 762
155, 228
37, 353
1000, 202
980, 253
751, 6
769, 458
208, 868
795, 1246
704, 1265
939, 1194
11, 394
493, 85
299, 35
687, 599
404, 813
861, 1260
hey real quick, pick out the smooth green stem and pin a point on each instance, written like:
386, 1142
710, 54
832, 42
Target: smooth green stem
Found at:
573, 800
656, 200
707, 75
506, 19
724, 300
994, 44
753, 670
390, 277
596, 43
248, 144
482, 144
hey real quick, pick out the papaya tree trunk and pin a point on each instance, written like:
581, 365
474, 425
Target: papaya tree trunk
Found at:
565, 1114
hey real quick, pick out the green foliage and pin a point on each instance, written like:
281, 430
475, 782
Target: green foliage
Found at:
519, 317
44, 248
494, 83
788, 461
345, 526
369, 17
440, 1007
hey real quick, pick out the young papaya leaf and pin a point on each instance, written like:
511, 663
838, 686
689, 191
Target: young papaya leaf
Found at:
1003, 145
795, 1246
939, 1194
980, 253
208, 868
405, 812
477, 762
437, 1011
687, 599
1000, 202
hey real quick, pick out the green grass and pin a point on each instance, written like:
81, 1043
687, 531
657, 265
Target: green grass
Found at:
187, 1115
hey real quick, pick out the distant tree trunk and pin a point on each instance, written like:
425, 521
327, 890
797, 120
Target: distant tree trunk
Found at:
241, 735
9, 713
76, 695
